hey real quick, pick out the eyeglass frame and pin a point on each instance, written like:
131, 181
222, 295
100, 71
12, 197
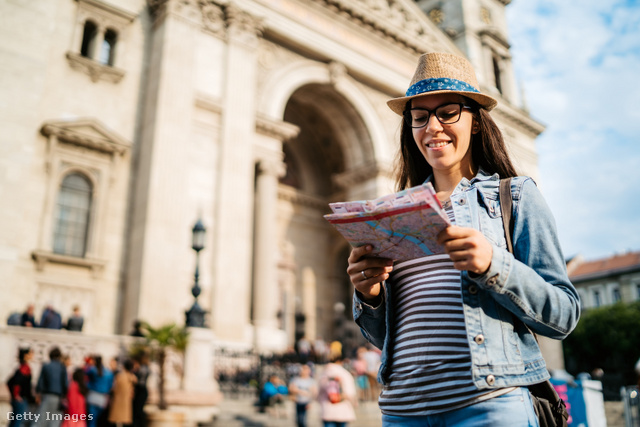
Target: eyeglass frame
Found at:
407, 114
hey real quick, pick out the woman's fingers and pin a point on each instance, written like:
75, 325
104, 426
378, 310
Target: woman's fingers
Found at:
468, 248
366, 273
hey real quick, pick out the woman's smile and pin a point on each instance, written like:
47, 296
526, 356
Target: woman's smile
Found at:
437, 144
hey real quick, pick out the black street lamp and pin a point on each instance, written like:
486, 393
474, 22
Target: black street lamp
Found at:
195, 315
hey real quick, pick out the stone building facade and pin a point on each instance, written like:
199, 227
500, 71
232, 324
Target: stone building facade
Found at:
125, 121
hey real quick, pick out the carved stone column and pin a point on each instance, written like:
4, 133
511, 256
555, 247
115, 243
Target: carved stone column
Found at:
266, 297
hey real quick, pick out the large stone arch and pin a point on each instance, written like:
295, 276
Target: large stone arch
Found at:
339, 153
283, 82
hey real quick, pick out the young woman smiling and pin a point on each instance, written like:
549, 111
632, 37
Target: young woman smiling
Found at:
456, 329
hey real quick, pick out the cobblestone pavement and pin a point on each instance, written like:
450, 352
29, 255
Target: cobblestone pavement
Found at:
241, 413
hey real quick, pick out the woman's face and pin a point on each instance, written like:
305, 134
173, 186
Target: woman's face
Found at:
446, 147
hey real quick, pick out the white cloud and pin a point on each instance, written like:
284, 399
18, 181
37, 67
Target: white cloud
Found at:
579, 62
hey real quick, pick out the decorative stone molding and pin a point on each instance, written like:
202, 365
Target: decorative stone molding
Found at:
86, 133
95, 70
394, 20
213, 18
242, 25
218, 17
337, 71
105, 14
277, 129
41, 258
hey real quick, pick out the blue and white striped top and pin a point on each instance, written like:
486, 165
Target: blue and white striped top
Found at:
430, 366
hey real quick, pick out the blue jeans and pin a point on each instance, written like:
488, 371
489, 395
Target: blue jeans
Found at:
334, 424
514, 409
301, 414
21, 407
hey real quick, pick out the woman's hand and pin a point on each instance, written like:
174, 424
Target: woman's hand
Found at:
467, 247
366, 273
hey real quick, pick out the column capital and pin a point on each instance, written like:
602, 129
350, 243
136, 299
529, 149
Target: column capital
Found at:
272, 167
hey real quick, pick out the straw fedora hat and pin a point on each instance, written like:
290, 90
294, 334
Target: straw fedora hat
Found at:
443, 73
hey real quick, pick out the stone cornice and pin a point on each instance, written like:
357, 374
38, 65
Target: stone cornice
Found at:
496, 35
277, 129
296, 197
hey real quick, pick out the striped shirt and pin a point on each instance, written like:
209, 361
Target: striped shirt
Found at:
430, 362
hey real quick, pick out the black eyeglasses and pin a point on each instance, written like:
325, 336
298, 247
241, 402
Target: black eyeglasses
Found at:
446, 114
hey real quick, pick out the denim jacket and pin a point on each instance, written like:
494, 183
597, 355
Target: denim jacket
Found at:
522, 293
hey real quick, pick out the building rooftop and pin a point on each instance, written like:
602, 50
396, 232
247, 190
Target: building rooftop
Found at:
616, 264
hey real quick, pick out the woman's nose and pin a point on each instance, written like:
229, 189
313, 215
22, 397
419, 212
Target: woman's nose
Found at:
433, 124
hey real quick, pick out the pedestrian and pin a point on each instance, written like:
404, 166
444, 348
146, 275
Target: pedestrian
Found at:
20, 389
99, 383
50, 319
141, 392
336, 394
456, 328
76, 413
76, 320
28, 318
303, 389
51, 389
121, 407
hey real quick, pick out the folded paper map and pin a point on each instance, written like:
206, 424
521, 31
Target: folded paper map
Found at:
399, 226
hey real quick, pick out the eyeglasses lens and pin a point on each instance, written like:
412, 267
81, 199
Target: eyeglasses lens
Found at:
446, 114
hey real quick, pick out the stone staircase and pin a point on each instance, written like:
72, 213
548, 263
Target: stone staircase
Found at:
241, 413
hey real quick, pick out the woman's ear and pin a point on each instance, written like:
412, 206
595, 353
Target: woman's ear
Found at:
475, 127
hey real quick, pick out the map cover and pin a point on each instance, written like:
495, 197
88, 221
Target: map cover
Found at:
399, 226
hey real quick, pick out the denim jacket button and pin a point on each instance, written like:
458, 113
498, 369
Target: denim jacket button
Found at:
479, 339
492, 280
473, 289
462, 201
491, 380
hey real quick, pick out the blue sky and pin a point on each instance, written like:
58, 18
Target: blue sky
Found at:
579, 64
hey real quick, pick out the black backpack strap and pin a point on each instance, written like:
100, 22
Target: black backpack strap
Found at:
506, 203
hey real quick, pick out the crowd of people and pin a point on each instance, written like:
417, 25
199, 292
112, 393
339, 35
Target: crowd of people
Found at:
49, 319
337, 384
92, 395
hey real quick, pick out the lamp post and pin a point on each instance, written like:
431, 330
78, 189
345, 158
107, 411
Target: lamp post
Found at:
195, 315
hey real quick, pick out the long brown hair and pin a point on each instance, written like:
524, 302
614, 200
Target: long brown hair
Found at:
488, 152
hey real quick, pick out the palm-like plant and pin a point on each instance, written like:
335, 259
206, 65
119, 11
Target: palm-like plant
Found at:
160, 340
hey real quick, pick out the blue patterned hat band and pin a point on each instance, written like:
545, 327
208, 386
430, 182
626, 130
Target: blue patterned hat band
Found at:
434, 84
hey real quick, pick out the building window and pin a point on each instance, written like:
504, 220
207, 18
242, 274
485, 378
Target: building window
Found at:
89, 39
107, 53
615, 295
597, 299
496, 73
72, 214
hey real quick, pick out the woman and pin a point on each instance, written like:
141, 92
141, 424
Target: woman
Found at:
336, 394
121, 408
100, 381
76, 414
21, 389
455, 329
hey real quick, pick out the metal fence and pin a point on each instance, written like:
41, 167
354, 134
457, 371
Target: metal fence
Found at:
631, 400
